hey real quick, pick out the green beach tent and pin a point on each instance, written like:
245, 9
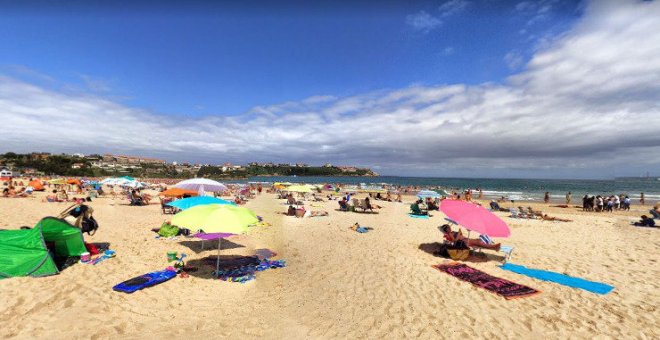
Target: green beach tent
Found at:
24, 252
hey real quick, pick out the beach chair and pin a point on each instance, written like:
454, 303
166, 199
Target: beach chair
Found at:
507, 250
359, 204
514, 213
166, 208
343, 205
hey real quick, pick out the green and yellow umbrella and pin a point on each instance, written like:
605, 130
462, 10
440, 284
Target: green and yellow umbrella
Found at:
216, 218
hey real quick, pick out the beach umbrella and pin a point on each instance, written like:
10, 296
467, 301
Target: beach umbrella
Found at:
217, 221
475, 218
108, 180
216, 218
190, 202
176, 192
201, 185
428, 193
299, 188
57, 181
133, 184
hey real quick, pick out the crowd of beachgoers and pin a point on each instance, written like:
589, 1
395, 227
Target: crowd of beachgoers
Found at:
315, 227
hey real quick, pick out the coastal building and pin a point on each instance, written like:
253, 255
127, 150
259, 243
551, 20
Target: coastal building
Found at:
124, 159
39, 155
6, 173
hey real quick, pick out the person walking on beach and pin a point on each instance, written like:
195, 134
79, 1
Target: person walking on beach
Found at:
641, 198
568, 198
546, 197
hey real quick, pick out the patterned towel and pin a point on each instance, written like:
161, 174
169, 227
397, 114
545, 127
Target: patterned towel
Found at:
247, 273
505, 288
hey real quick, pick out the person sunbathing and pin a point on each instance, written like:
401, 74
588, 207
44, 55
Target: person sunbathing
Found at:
368, 205
21, 193
456, 236
535, 212
496, 207
545, 217
645, 222
62, 196
310, 213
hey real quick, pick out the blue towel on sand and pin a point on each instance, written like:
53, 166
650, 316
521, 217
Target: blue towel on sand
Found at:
575, 282
419, 216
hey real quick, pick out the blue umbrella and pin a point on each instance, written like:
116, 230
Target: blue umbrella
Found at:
190, 202
428, 193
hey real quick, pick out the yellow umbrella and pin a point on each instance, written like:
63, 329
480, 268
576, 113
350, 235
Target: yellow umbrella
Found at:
299, 188
216, 218
281, 185
57, 181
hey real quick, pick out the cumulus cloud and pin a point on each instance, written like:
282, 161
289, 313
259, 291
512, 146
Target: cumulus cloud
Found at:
585, 104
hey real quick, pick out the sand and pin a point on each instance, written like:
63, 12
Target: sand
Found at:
338, 283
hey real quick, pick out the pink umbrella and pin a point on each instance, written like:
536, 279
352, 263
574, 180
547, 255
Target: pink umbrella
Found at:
475, 218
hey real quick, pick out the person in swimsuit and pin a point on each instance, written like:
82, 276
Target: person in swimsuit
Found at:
453, 236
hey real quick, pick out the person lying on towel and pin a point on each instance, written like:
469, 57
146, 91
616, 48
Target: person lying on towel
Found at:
454, 236
645, 222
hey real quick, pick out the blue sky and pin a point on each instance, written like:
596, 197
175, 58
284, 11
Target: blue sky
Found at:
221, 59
548, 88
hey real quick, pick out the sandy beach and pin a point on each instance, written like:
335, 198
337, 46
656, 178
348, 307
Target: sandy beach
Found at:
339, 283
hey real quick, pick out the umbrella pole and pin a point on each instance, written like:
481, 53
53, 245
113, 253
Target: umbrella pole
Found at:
217, 262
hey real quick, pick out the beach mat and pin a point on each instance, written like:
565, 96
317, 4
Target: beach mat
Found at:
144, 281
424, 217
505, 288
570, 281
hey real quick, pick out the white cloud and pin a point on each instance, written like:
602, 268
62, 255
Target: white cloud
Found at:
423, 21
453, 7
513, 59
587, 103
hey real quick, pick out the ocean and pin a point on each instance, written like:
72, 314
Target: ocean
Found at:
516, 189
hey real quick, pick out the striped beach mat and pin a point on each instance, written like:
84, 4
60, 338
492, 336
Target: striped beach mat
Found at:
505, 288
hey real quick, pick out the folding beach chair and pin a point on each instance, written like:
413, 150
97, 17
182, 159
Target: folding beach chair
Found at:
514, 213
507, 250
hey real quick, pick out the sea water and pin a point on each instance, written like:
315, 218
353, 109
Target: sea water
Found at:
516, 189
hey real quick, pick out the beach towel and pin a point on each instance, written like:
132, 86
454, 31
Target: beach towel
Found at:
570, 281
247, 273
424, 217
505, 288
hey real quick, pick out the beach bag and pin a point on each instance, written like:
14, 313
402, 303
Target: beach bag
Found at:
458, 254
89, 225
168, 230
78, 211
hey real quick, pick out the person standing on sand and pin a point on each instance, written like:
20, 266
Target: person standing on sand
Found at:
568, 198
641, 198
546, 197
481, 193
